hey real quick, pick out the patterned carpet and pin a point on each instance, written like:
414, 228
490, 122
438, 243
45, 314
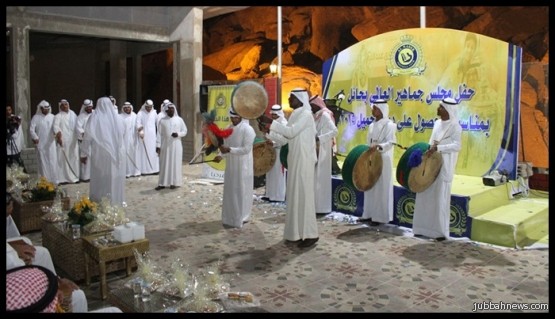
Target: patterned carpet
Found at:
353, 268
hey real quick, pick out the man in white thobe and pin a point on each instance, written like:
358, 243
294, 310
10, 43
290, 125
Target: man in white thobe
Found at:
131, 140
66, 143
171, 130
104, 148
148, 161
378, 200
239, 172
300, 225
82, 118
432, 209
42, 134
162, 112
326, 131
276, 176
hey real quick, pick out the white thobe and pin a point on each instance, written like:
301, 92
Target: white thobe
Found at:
131, 144
107, 176
432, 208
171, 150
41, 129
276, 176
326, 131
42, 255
148, 161
238, 175
42, 258
378, 200
300, 131
84, 169
68, 153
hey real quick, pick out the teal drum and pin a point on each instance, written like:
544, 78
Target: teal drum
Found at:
416, 169
283, 155
350, 162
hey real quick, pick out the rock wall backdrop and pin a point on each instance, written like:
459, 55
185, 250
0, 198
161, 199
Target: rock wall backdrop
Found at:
242, 45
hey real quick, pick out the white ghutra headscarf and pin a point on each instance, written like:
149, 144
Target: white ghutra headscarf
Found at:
105, 127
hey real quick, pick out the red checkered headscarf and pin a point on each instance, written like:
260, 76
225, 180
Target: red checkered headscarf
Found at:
31, 288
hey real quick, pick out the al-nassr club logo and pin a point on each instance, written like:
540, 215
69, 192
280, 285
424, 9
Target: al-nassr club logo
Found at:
406, 58
220, 101
345, 198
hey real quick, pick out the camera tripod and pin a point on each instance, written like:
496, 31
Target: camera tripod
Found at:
14, 155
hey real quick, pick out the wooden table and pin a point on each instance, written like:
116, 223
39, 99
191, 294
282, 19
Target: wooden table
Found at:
105, 253
67, 253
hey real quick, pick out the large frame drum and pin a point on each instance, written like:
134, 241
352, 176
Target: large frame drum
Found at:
417, 179
264, 157
362, 168
249, 99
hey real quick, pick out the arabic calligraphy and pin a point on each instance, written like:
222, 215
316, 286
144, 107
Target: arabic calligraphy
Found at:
463, 93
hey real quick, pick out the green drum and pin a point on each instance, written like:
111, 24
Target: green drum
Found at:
350, 162
283, 155
419, 178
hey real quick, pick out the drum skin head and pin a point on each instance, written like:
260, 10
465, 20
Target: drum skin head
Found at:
367, 170
249, 99
423, 175
264, 157
347, 170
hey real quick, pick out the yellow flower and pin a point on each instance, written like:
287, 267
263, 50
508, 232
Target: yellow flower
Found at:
83, 211
43, 190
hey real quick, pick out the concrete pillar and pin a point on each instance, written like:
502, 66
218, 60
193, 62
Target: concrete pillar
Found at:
137, 63
20, 65
118, 71
188, 64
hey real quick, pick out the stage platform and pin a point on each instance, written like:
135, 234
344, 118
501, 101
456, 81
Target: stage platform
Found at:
488, 214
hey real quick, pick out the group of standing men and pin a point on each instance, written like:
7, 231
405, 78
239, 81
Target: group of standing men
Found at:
308, 188
72, 148
432, 209
308, 173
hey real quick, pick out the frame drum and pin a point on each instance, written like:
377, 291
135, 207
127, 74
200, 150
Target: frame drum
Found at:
264, 157
362, 168
249, 99
418, 179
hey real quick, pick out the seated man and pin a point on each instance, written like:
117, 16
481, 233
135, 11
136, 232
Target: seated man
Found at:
20, 251
33, 288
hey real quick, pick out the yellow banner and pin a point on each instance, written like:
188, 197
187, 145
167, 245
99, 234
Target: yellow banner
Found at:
219, 99
414, 69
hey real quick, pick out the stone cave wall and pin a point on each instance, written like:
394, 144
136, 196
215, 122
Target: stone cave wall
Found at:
242, 45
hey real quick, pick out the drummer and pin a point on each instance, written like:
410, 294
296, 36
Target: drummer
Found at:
239, 174
326, 131
275, 178
432, 208
378, 200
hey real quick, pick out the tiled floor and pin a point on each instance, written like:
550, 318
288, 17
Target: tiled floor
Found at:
353, 267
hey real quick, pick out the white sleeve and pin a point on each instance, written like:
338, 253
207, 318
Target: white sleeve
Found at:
12, 259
